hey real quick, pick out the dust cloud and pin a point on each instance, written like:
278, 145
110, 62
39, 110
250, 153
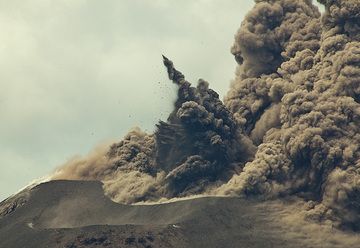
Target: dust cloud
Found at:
289, 125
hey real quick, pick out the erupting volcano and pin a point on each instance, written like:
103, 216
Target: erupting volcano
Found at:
285, 142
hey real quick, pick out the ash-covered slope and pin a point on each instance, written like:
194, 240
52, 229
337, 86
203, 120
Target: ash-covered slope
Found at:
77, 214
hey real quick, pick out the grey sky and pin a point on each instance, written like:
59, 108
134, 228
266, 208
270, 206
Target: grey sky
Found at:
74, 73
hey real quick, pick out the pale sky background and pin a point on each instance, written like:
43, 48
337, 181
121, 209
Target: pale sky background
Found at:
75, 73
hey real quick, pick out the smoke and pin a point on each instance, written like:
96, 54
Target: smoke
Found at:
199, 147
125, 168
314, 152
289, 125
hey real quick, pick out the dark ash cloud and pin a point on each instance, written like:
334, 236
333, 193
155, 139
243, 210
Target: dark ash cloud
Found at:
289, 126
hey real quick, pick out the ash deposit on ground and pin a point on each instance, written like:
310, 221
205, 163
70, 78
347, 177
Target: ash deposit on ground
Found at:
287, 131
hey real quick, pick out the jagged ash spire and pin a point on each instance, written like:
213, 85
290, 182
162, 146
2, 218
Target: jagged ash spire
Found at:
174, 75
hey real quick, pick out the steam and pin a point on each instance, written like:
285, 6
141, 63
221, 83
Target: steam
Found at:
289, 126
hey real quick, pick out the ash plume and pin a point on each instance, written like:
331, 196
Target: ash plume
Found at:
200, 142
289, 125
198, 147
314, 152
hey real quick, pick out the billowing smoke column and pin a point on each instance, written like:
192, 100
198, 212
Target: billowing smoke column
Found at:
200, 143
199, 147
289, 126
311, 82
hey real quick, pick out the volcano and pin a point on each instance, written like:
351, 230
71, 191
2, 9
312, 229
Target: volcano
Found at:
275, 164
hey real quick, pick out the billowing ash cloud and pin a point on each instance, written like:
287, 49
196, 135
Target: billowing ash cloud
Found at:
200, 142
199, 147
313, 149
289, 126
271, 34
